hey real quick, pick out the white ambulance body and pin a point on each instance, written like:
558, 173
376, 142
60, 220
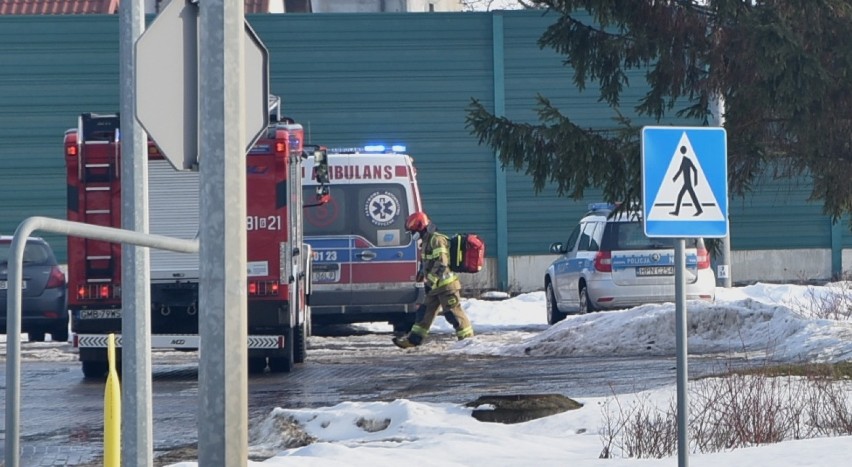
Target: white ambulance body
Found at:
364, 262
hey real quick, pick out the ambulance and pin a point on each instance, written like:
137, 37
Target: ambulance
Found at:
364, 262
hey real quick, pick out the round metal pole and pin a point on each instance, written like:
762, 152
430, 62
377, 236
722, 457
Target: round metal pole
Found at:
680, 325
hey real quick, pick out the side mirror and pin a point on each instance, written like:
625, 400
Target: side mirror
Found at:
321, 165
321, 172
556, 248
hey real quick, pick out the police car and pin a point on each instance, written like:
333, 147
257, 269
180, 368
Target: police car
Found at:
364, 262
608, 263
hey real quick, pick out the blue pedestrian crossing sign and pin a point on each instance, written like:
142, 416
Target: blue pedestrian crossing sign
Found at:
685, 181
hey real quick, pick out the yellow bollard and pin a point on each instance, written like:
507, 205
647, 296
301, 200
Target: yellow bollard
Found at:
112, 411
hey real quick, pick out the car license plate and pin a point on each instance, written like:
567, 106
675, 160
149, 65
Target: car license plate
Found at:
655, 271
100, 314
4, 285
326, 276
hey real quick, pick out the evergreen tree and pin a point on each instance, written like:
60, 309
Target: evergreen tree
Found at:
782, 67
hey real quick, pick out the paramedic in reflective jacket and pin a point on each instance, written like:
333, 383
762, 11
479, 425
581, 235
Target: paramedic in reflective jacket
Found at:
442, 285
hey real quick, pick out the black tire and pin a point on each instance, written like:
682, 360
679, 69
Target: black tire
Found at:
60, 333
586, 305
95, 369
285, 363
36, 336
553, 314
300, 344
256, 365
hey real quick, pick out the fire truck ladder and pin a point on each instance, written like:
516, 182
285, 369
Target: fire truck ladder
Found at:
98, 170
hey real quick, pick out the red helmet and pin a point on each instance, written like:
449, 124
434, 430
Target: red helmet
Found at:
417, 222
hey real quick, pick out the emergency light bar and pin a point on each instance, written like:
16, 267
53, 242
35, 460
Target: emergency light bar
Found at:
371, 148
602, 206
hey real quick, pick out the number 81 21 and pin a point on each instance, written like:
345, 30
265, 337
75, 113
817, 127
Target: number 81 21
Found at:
263, 223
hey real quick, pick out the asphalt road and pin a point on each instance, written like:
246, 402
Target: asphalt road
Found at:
61, 413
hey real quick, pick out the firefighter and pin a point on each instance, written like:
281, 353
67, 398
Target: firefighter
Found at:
441, 284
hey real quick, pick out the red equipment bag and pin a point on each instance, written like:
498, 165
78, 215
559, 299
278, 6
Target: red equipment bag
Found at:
467, 252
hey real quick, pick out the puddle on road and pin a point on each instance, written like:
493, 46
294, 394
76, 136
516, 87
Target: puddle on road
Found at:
520, 408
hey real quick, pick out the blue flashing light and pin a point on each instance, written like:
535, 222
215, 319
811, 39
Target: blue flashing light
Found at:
370, 148
601, 206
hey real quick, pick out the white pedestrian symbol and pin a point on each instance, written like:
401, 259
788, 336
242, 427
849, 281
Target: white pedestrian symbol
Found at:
685, 176
687, 172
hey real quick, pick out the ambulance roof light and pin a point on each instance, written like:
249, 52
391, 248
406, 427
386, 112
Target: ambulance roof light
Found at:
371, 149
396, 148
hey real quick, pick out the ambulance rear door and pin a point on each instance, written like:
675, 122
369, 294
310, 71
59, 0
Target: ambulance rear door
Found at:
328, 230
364, 261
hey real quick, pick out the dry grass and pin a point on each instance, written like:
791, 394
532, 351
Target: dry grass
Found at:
739, 410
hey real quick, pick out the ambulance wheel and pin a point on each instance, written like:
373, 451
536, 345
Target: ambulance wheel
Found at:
95, 369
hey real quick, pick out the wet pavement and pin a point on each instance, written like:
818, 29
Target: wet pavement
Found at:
61, 413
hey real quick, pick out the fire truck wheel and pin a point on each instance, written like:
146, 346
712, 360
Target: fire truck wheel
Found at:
256, 365
95, 369
300, 343
280, 364
284, 364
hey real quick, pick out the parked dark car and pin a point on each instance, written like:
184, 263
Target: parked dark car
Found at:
44, 307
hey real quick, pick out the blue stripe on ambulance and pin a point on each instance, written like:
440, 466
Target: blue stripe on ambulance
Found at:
337, 249
330, 249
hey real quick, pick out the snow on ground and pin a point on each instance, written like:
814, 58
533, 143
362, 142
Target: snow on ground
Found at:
779, 322
775, 322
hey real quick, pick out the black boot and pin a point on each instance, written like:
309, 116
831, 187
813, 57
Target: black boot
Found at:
409, 341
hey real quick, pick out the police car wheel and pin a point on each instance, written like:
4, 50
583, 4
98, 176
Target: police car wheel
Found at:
553, 314
586, 305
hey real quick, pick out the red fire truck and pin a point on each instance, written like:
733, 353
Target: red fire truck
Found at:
278, 259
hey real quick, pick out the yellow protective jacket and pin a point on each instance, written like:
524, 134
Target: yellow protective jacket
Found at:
435, 253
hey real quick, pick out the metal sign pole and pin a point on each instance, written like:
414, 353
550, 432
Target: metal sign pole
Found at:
724, 277
137, 421
680, 343
677, 161
223, 292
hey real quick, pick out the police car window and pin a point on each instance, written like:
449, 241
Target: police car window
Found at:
594, 244
382, 210
631, 236
585, 236
572, 240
